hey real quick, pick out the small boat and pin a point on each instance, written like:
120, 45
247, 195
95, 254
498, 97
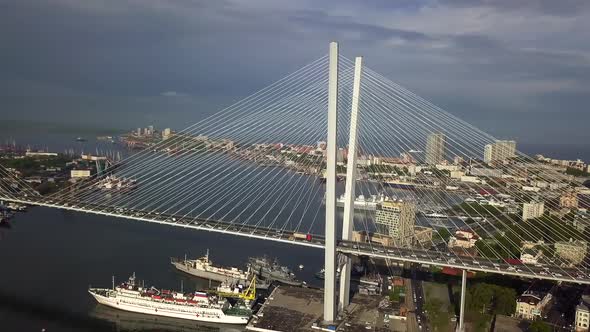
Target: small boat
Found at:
321, 273
80, 139
435, 215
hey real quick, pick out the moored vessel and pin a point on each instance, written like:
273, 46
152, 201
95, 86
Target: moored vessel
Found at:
203, 268
363, 203
322, 273
435, 215
199, 306
271, 270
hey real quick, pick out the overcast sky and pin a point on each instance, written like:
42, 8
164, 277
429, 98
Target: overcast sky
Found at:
516, 69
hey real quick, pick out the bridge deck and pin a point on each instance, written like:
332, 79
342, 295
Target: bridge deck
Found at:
413, 255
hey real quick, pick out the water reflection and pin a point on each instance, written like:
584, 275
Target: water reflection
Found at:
130, 321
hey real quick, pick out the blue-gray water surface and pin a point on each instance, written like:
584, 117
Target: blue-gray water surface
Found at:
50, 257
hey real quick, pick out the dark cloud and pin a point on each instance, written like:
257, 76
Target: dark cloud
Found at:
549, 7
344, 25
151, 59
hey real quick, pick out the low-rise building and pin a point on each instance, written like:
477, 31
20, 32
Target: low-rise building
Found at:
447, 167
376, 238
463, 239
457, 174
472, 179
582, 321
580, 221
40, 154
486, 172
79, 173
532, 303
569, 200
573, 251
423, 236
531, 256
92, 157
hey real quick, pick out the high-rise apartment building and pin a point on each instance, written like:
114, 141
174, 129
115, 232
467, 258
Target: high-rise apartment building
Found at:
166, 133
435, 148
532, 210
499, 151
396, 219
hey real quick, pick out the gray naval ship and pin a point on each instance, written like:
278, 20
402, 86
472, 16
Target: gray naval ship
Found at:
272, 271
204, 268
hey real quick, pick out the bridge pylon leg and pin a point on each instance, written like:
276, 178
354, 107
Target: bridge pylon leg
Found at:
330, 241
462, 308
349, 193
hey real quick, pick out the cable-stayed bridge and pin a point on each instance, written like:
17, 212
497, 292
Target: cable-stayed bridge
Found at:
337, 148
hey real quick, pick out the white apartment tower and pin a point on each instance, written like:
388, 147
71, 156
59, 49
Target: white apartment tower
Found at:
532, 210
499, 151
435, 148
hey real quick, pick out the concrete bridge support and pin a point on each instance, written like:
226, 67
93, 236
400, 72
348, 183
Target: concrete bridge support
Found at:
349, 194
462, 309
330, 242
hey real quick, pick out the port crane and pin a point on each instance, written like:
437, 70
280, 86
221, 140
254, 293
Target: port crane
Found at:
248, 294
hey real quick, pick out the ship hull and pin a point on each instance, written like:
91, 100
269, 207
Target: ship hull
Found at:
163, 309
204, 274
270, 276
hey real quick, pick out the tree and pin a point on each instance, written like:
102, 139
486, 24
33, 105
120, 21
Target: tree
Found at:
438, 318
575, 172
539, 326
505, 301
481, 297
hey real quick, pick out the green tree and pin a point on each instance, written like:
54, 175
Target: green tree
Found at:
481, 297
575, 172
439, 319
539, 326
505, 301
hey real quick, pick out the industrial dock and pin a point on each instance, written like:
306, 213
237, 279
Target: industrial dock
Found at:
300, 309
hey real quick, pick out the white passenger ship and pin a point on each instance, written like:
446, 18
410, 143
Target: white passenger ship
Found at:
199, 306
